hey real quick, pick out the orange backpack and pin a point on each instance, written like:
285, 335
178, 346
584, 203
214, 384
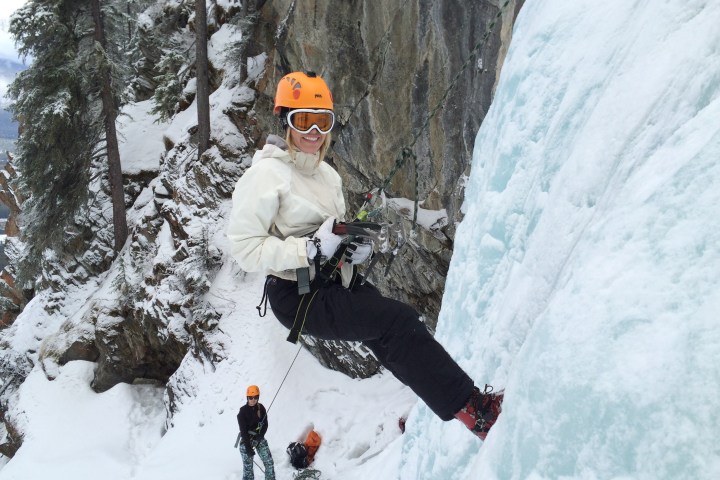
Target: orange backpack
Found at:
312, 443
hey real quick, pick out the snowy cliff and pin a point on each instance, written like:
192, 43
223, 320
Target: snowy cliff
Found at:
583, 281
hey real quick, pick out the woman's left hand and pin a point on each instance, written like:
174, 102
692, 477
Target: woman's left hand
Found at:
358, 252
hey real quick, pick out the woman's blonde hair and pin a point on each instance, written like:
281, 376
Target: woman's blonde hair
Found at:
292, 148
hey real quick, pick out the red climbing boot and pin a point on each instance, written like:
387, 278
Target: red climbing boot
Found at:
481, 410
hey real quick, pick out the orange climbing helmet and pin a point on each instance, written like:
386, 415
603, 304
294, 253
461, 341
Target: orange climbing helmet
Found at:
302, 90
253, 391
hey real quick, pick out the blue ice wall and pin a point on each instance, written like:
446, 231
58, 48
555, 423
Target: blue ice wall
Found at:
586, 273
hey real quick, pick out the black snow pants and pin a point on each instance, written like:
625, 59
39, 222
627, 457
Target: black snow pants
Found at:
391, 329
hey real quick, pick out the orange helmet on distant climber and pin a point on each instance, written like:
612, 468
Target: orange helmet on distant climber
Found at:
253, 391
302, 90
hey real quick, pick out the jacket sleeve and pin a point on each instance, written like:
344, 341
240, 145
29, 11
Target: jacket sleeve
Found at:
264, 420
255, 205
242, 423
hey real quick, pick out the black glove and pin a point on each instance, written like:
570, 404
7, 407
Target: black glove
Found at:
250, 451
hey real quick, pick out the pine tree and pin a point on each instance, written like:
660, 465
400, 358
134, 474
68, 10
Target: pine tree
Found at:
110, 106
170, 84
166, 61
60, 132
66, 103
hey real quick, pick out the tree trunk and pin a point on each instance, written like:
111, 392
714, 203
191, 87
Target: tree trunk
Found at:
244, 42
202, 97
109, 111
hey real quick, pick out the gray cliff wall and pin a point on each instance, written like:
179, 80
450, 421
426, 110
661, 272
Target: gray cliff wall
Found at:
390, 64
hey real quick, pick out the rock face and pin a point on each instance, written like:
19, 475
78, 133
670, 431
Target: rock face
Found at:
412, 76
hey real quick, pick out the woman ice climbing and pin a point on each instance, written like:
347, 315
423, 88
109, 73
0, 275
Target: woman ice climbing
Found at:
284, 209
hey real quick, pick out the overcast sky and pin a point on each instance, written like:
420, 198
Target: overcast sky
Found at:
7, 45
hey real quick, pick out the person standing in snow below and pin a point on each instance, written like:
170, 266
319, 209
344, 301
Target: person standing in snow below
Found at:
253, 422
284, 209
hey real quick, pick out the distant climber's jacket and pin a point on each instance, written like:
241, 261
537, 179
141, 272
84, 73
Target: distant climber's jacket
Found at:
276, 202
253, 423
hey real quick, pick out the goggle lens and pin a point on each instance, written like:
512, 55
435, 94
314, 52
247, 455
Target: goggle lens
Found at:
304, 120
255, 397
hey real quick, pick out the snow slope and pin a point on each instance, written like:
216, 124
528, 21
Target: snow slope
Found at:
121, 434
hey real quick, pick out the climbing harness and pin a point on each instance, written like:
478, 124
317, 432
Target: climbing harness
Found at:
326, 272
262, 306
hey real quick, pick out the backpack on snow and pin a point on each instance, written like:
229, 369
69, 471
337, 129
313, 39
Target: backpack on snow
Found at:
298, 455
312, 443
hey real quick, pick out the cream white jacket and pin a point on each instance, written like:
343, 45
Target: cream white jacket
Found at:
276, 203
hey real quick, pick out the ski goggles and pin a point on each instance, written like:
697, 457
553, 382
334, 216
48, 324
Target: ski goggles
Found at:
303, 120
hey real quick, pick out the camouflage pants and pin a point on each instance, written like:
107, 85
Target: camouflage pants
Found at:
263, 450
